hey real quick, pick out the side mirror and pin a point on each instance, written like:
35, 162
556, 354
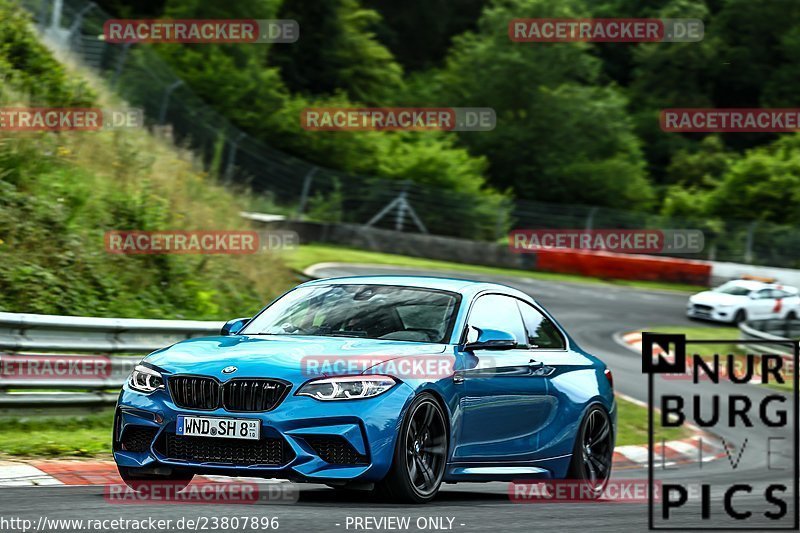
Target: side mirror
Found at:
489, 339
232, 327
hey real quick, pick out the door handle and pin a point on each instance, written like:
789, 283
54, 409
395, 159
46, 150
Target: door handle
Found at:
538, 369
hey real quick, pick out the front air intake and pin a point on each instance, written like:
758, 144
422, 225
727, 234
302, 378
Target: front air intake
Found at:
253, 395
194, 392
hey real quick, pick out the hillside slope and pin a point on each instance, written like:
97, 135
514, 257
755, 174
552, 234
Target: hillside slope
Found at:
61, 191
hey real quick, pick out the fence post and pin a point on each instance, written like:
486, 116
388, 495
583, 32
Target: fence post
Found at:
400, 215
498, 223
162, 114
748, 247
301, 207
55, 17
590, 218
76, 25
232, 158
123, 56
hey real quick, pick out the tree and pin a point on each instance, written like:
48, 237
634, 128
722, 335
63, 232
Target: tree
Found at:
560, 135
762, 185
419, 32
337, 50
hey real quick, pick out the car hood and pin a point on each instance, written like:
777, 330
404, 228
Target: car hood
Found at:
716, 298
293, 358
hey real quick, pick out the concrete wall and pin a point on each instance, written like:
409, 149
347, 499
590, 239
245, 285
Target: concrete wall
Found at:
411, 244
721, 272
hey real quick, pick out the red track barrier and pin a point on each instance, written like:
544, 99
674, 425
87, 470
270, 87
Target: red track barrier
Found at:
623, 266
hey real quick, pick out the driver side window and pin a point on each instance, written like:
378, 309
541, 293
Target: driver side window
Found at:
495, 311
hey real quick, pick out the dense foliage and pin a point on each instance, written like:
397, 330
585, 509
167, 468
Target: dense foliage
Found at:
60, 193
577, 122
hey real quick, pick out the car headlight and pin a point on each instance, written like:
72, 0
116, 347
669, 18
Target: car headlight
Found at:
347, 387
145, 379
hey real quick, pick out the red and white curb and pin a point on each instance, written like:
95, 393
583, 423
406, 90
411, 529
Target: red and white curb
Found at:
695, 449
701, 447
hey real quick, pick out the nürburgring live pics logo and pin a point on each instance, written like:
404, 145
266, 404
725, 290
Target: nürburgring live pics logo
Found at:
755, 483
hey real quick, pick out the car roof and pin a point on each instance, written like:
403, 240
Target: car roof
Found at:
747, 284
465, 287
753, 285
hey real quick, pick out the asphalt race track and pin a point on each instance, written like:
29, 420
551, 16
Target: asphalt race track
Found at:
593, 315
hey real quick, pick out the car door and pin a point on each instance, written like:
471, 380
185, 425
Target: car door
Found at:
503, 405
784, 302
568, 375
762, 304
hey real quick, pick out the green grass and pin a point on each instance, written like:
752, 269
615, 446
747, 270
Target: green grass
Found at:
64, 436
713, 333
90, 435
632, 426
310, 254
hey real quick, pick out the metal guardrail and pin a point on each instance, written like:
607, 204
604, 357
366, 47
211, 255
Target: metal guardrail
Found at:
49, 360
771, 329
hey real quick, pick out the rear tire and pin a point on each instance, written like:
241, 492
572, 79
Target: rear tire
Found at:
420, 454
593, 452
141, 481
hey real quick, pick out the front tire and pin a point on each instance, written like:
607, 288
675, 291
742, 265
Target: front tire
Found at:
420, 453
740, 316
592, 454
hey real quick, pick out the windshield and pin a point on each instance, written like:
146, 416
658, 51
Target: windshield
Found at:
732, 288
362, 311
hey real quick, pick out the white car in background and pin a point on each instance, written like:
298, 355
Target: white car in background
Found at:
739, 300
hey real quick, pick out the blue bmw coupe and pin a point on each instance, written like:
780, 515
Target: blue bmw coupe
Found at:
393, 383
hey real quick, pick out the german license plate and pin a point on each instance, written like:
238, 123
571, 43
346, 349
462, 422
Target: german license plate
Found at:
224, 428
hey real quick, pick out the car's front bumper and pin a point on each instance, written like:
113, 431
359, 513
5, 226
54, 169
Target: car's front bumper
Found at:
710, 312
357, 437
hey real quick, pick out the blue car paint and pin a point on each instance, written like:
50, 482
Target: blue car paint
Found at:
503, 425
